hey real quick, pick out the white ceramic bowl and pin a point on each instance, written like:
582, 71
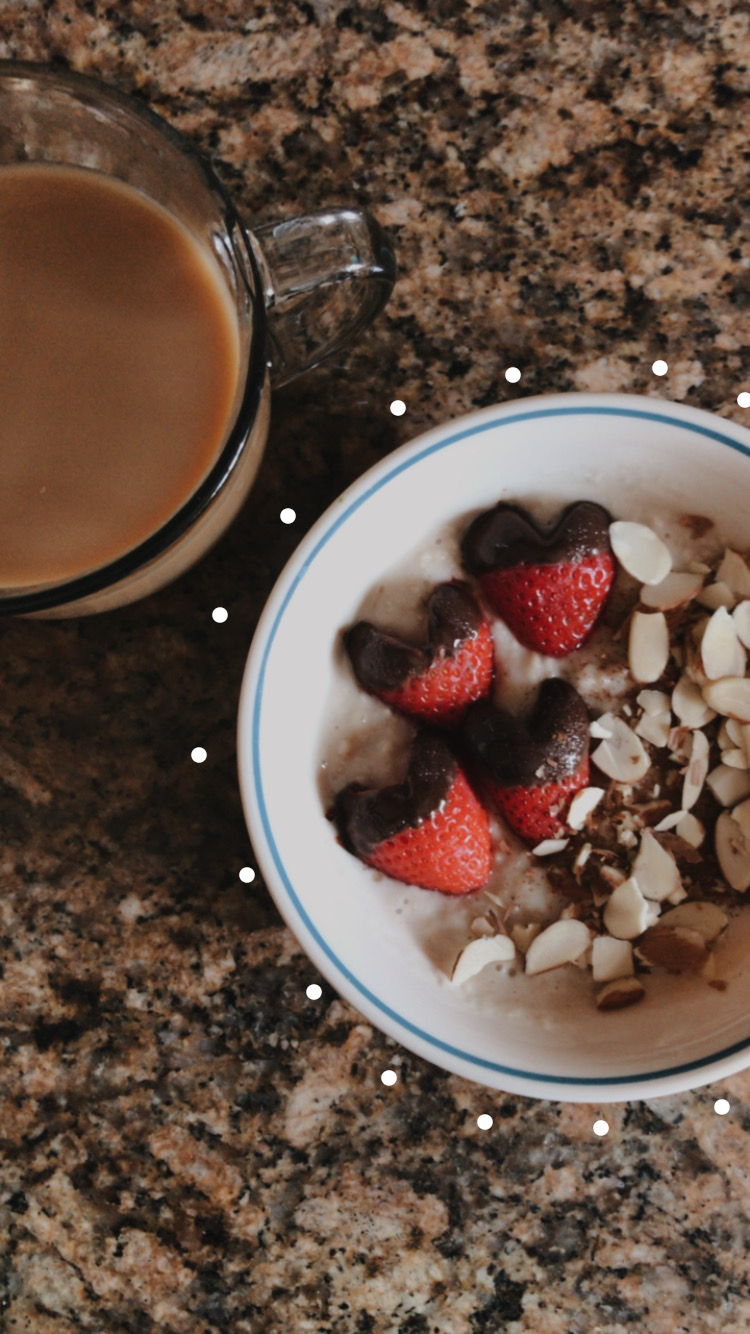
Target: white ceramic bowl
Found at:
384, 947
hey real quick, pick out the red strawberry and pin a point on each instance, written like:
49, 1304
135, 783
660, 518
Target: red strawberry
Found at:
436, 683
533, 769
430, 831
549, 585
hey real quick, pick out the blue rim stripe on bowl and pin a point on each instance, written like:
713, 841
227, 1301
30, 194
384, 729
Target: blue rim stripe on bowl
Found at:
429, 1038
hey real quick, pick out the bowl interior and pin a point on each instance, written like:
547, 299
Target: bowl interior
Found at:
388, 948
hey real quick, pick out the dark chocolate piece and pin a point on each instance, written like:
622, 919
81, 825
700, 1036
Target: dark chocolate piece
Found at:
547, 748
368, 817
383, 662
507, 536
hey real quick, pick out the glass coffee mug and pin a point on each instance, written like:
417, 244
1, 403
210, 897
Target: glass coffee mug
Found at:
300, 290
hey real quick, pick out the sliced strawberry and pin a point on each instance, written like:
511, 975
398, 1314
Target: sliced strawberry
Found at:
548, 585
435, 684
430, 831
532, 769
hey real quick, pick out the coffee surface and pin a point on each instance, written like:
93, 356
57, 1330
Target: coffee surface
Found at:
119, 359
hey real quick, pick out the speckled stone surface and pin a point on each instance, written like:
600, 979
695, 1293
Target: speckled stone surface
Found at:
187, 1143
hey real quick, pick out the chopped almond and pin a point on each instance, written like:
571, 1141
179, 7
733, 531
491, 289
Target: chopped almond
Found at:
617, 995
676, 948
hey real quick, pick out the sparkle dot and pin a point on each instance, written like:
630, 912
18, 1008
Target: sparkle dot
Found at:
287, 516
314, 992
512, 375
744, 399
389, 1077
398, 407
247, 875
601, 1128
660, 368
484, 1121
721, 1106
220, 614
198, 754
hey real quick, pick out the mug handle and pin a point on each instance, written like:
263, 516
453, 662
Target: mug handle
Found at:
325, 277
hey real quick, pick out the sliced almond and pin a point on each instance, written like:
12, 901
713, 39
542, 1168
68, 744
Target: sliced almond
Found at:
599, 730
653, 702
715, 596
549, 846
729, 785
523, 934
676, 948
735, 758
722, 653
655, 727
582, 855
611, 958
673, 591
582, 805
741, 814
655, 869
479, 953
741, 618
744, 731
574, 910
733, 851
697, 770
640, 551
558, 944
729, 696
691, 830
612, 876
734, 572
734, 731
621, 756
669, 822
628, 914
705, 918
723, 737
484, 926
617, 995
648, 645
678, 896
689, 705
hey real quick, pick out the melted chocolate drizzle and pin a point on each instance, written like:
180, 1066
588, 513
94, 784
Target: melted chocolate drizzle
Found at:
383, 662
366, 818
506, 536
546, 748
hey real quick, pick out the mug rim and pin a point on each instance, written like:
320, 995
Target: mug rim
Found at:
114, 572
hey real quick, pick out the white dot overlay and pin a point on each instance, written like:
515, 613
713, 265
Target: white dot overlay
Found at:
247, 875
314, 992
398, 407
721, 1106
287, 515
601, 1128
484, 1121
389, 1077
660, 368
220, 615
512, 375
198, 754
744, 399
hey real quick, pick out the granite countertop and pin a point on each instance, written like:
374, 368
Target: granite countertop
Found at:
187, 1143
